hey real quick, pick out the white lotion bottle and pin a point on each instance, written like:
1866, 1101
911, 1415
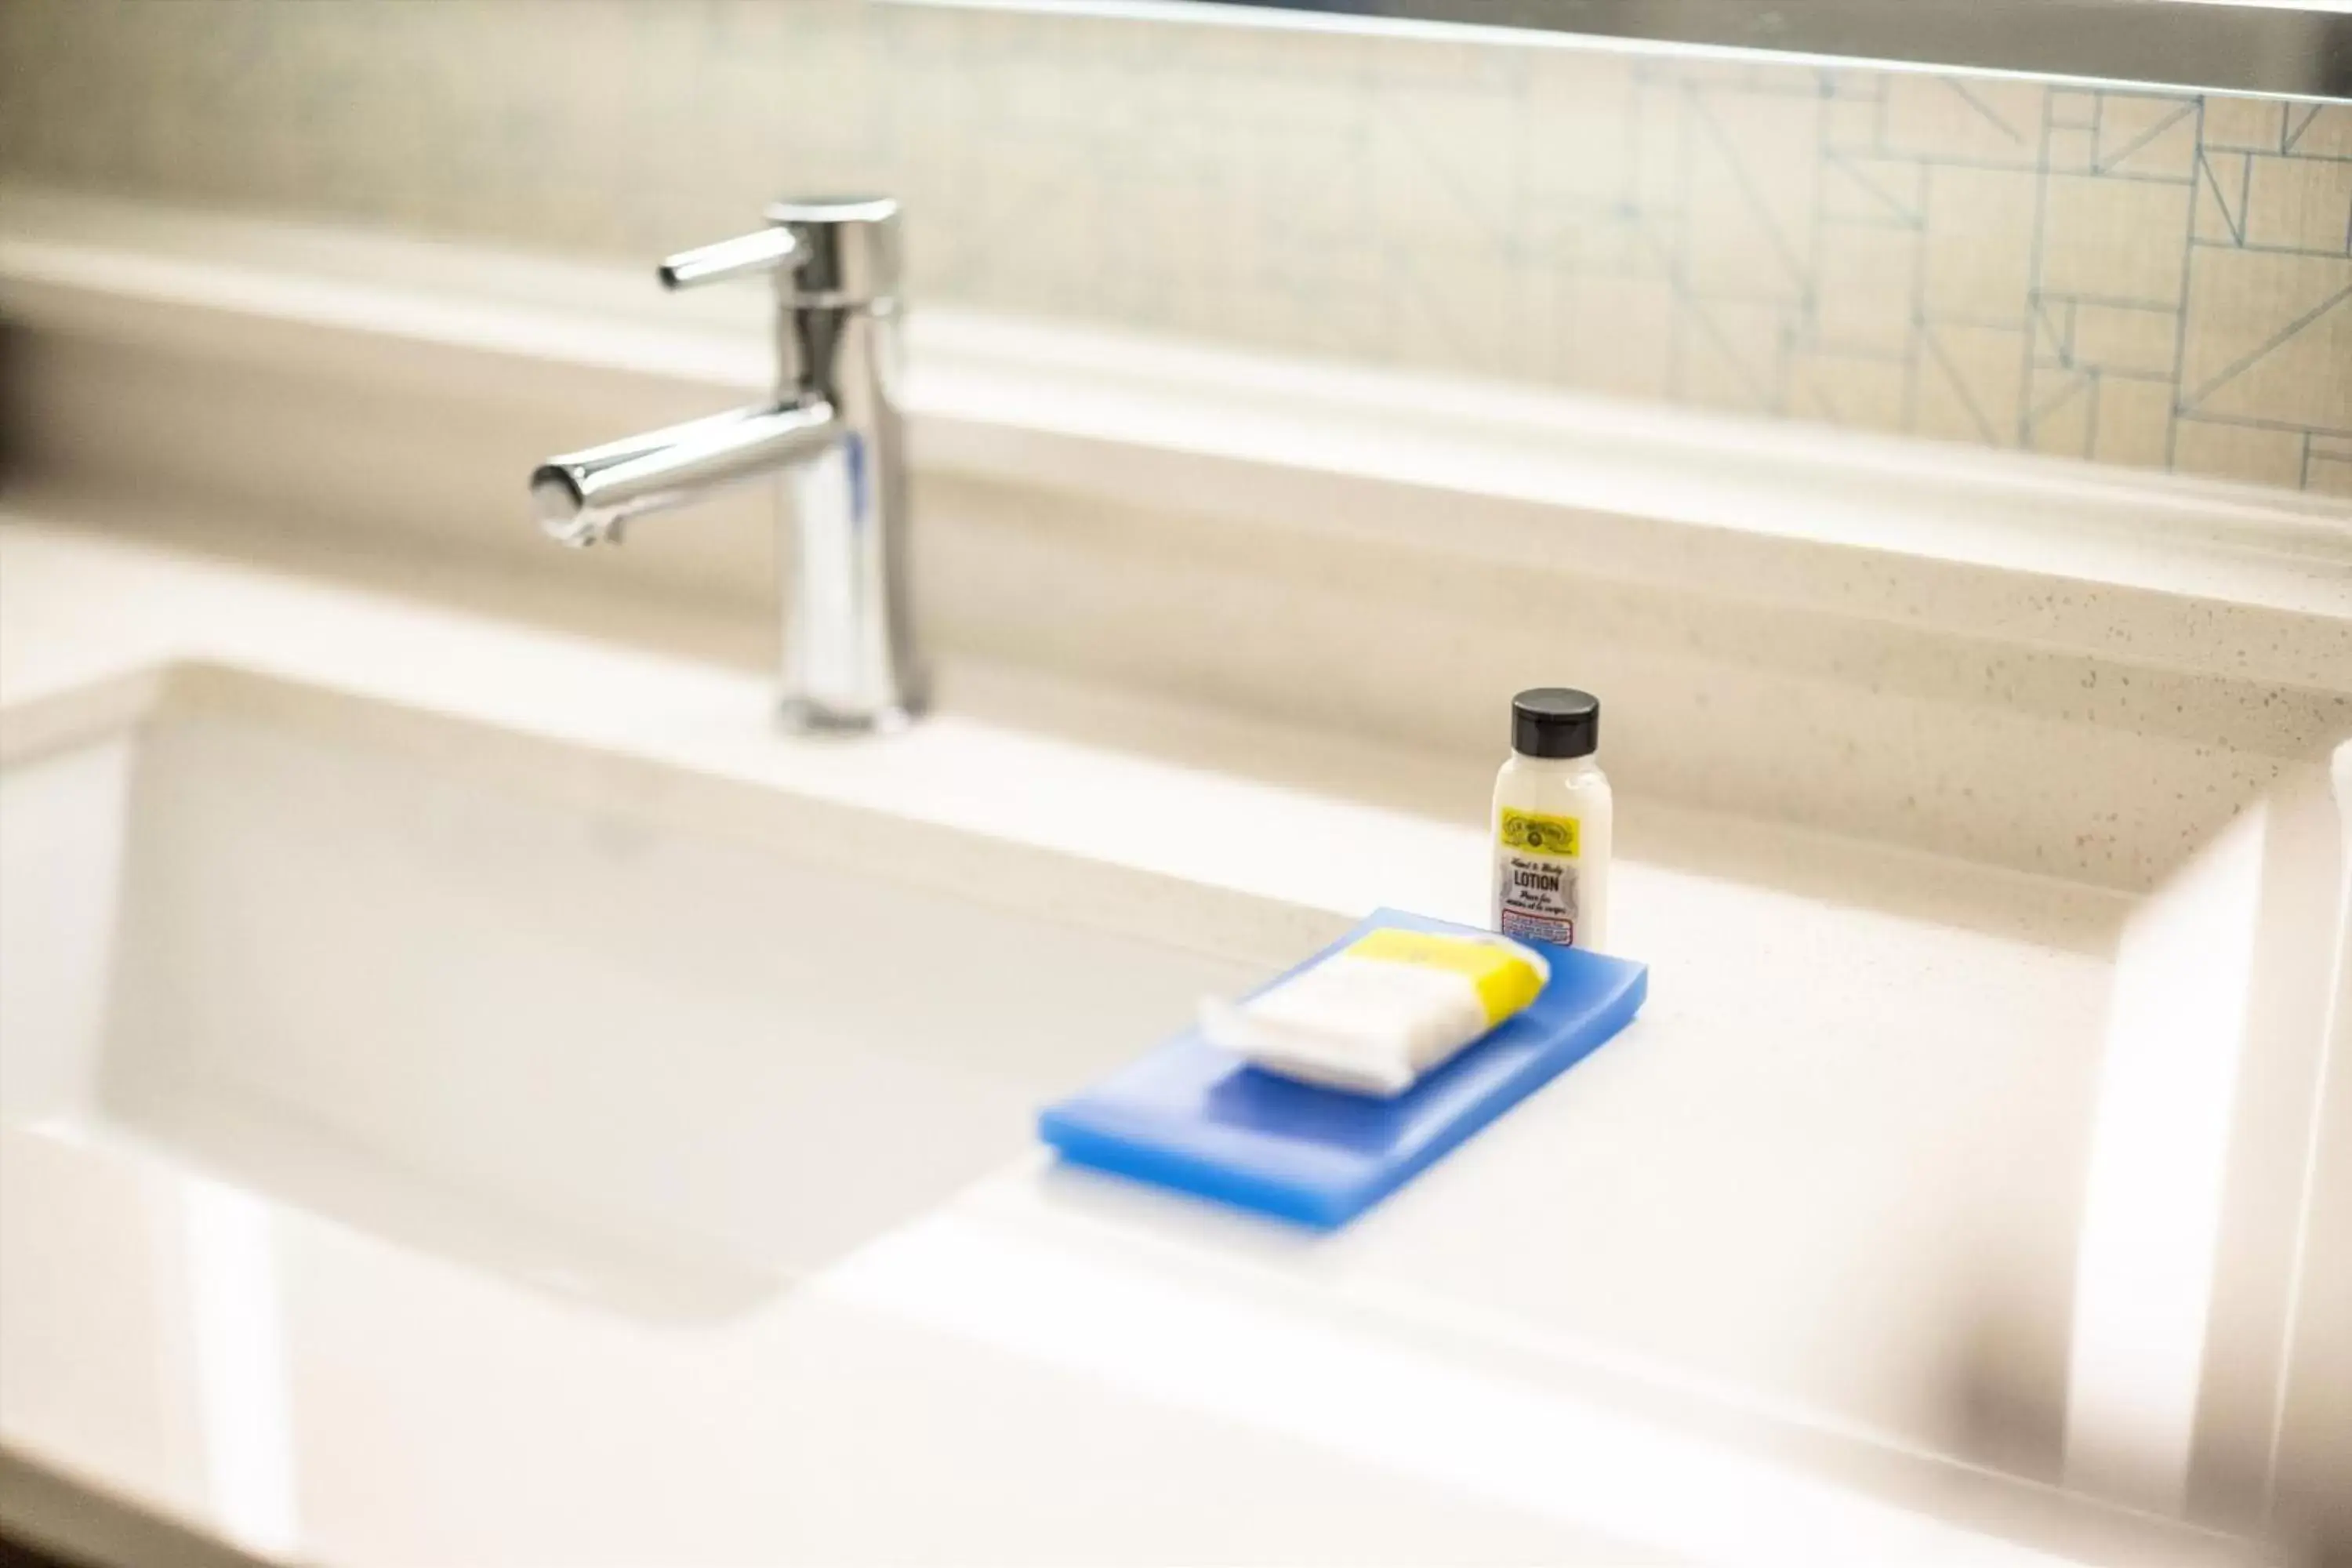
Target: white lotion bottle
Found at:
1552, 823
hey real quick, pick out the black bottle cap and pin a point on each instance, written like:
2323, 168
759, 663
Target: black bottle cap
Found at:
1555, 721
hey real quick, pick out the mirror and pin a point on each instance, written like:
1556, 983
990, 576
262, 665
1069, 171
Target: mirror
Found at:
2282, 48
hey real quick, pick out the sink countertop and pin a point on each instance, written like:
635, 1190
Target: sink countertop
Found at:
1603, 1329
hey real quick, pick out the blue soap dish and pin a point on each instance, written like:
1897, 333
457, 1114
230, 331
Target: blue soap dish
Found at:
1198, 1119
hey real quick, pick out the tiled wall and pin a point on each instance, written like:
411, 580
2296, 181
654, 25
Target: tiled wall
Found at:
2161, 280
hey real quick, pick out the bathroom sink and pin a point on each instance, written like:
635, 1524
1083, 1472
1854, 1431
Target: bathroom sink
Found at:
390, 1096
533, 1016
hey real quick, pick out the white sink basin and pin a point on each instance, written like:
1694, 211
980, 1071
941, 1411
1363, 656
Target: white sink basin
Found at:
524, 1015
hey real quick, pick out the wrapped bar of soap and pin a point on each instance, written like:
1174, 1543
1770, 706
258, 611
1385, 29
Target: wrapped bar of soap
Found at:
1382, 1012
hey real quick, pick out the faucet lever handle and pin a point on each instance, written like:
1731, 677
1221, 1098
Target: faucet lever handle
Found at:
771, 249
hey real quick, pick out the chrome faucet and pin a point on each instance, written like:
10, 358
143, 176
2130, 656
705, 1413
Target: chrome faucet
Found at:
831, 432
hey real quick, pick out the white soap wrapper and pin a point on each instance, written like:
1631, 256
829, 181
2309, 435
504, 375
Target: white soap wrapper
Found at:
1378, 1015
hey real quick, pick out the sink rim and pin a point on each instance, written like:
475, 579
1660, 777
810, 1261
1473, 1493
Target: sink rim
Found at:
805, 824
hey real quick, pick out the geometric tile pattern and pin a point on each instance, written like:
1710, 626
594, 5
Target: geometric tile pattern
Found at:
2156, 278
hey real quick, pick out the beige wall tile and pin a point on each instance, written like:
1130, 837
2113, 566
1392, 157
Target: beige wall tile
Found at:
1751, 182
2248, 124
1620, 335
2238, 452
1981, 120
2073, 149
1980, 244
2319, 130
2154, 136
2053, 333
1851, 125
2108, 337
2304, 378
1731, 356
1573, 131
1326, 306
2305, 204
2222, 182
1860, 393
1616, 244
2074, 107
2108, 238
1444, 160
1858, 189
2329, 465
1937, 409
2241, 300
2061, 423
1460, 310
1986, 366
1660, 121
2132, 421
2269, 336
1863, 301
1534, 339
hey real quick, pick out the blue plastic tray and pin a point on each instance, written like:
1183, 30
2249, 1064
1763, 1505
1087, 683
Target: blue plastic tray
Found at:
1201, 1120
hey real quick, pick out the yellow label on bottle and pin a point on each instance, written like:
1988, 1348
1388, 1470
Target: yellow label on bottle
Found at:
1539, 834
1505, 981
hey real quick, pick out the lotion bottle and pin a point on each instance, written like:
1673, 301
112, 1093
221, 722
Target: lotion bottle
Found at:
1552, 823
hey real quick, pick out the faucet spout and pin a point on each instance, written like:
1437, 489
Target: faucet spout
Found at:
832, 431
584, 497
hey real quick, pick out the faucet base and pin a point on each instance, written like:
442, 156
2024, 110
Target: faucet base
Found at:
800, 715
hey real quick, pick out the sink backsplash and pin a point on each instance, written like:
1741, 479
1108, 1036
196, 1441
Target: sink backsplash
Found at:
2161, 280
